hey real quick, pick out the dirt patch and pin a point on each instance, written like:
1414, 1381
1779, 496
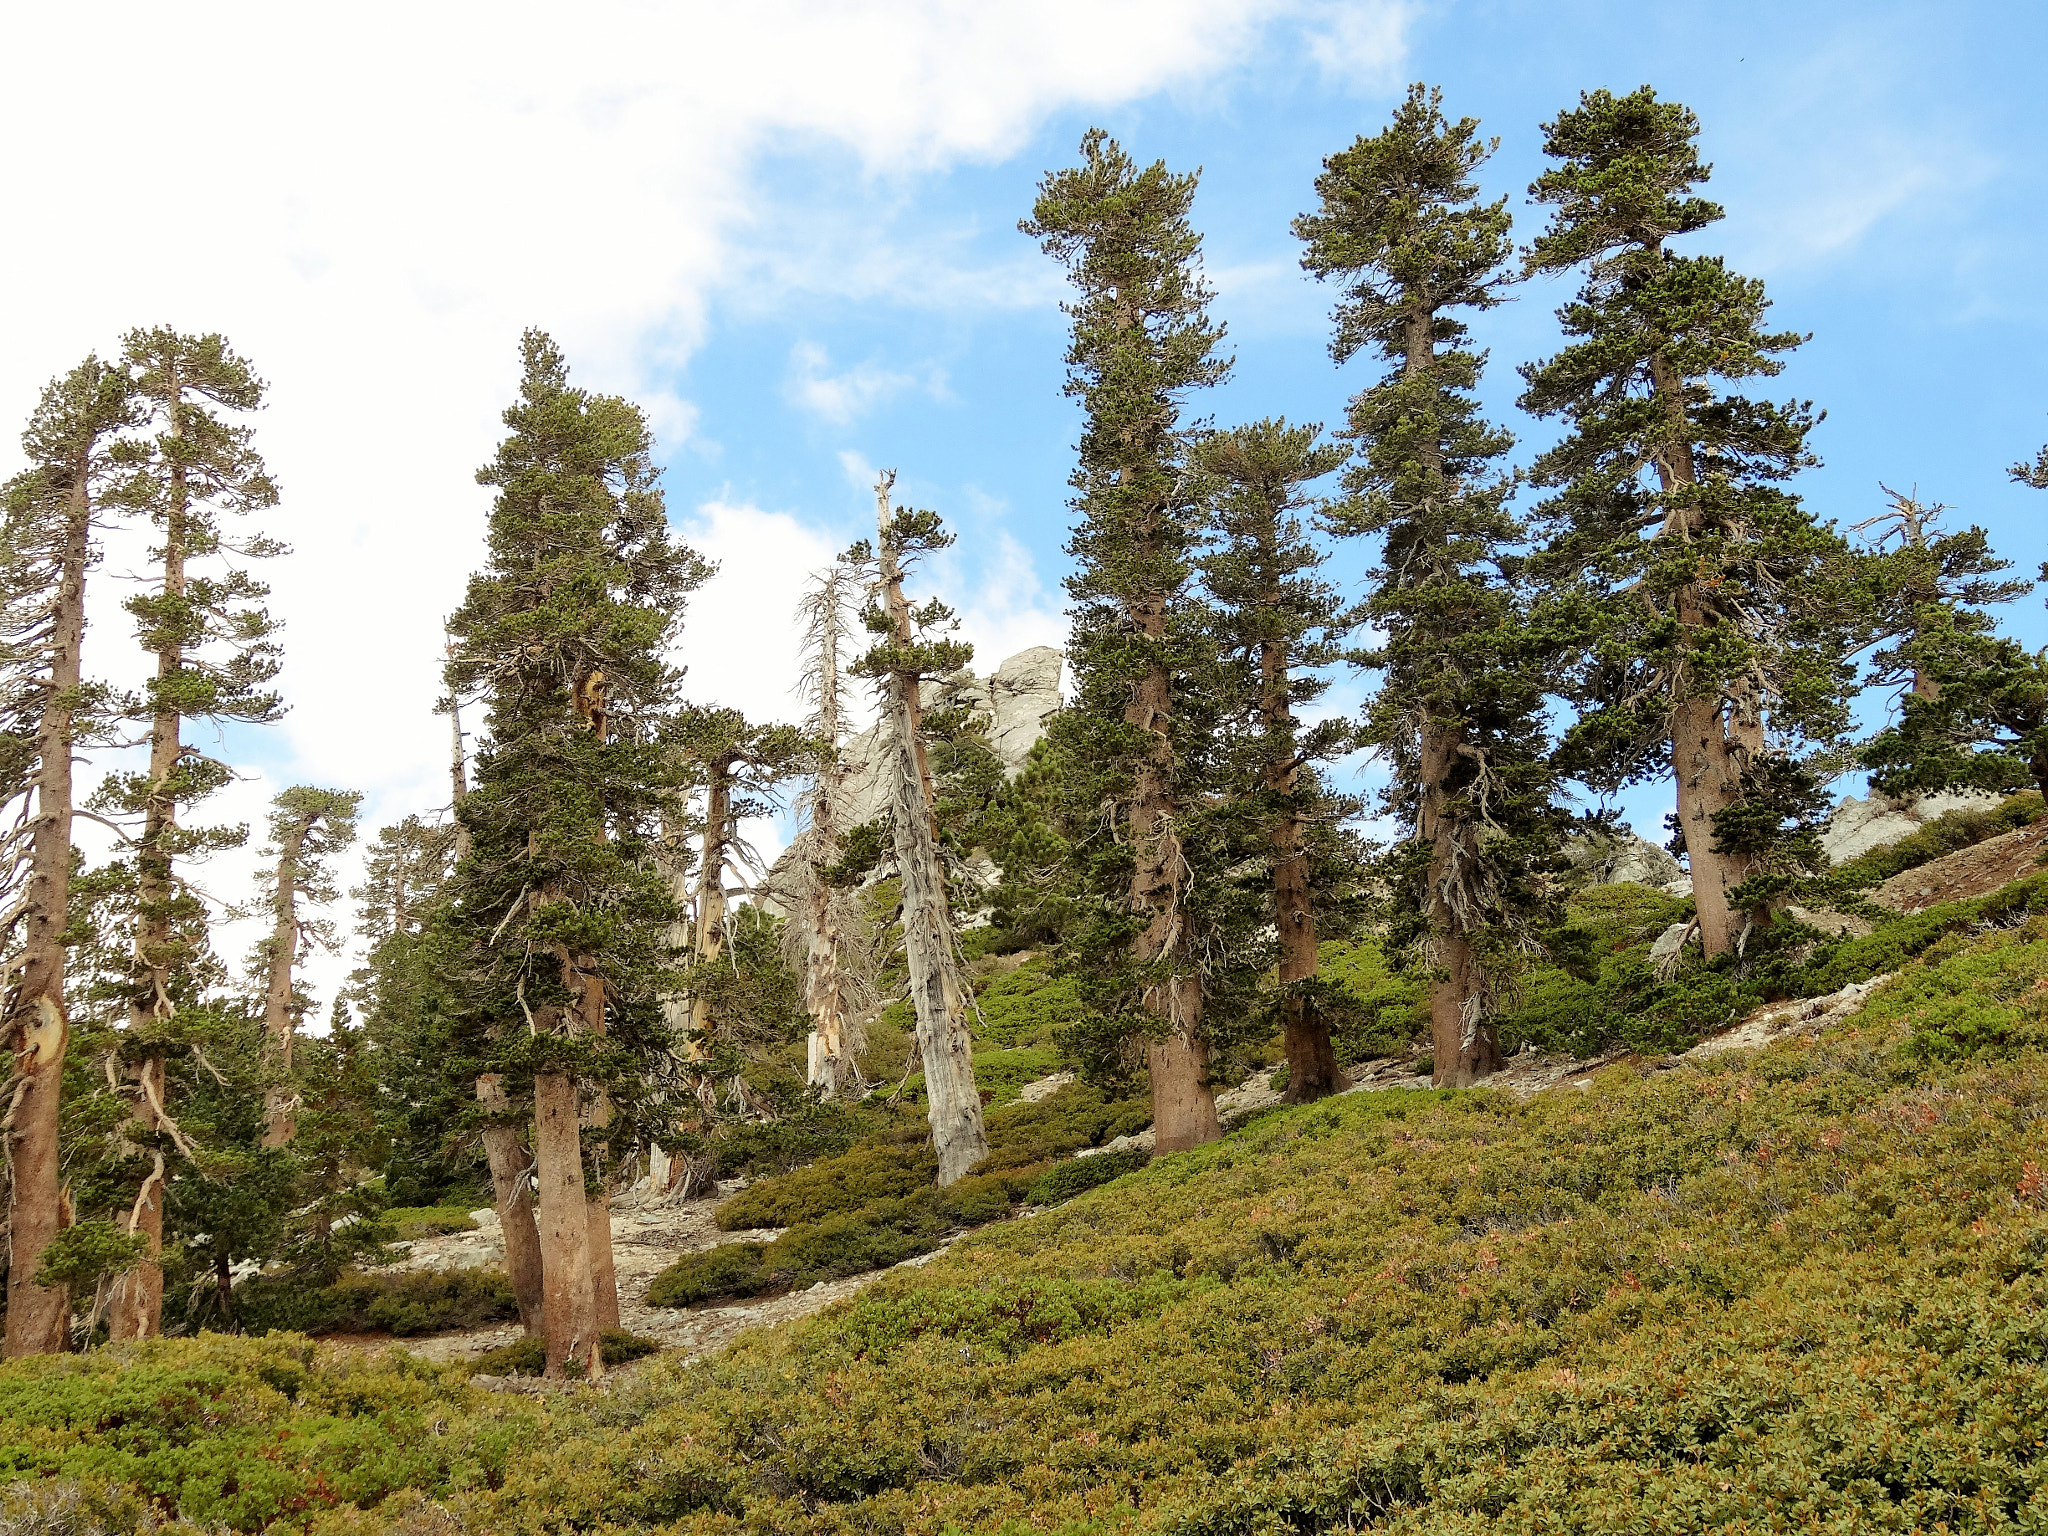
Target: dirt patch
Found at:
1975, 871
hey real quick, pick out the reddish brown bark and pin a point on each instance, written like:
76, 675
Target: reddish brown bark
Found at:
37, 1028
1183, 1103
568, 1303
1460, 1015
1710, 741
505, 1150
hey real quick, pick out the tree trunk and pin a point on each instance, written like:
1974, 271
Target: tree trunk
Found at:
936, 994
830, 1066
1708, 747
135, 1309
505, 1150
710, 937
1312, 1070
38, 1030
1183, 1103
568, 1302
280, 1023
1460, 1000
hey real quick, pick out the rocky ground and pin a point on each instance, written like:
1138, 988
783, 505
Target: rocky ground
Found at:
1967, 872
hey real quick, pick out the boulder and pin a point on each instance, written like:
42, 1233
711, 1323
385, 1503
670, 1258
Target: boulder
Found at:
1620, 857
1860, 825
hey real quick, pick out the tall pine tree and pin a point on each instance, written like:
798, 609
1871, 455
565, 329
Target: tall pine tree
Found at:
1727, 616
214, 658
561, 911
1279, 626
1142, 343
1458, 713
47, 546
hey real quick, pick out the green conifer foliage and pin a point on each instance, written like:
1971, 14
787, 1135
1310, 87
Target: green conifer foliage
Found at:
1278, 626
1142, 342
1727, 618
1458, 713
1977, 716
561, 914
191, 472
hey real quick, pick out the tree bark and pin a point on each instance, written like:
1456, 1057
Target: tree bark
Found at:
505, 1150
568, 1301
1183, 1103
280, 1023
830, 1057
710, 937
135, 1307
936, 994
38, 1030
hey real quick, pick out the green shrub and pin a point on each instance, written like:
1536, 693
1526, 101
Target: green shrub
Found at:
403, 1305
1027, 1007
730, 1269
529, 1356
1078, 1175
838, 1184
411, 1222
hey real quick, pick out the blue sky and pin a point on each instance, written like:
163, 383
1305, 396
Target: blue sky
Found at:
1881, 167
789, 229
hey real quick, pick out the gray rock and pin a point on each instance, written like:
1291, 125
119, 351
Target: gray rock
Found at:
1621, 858
1669, 943
1858, 826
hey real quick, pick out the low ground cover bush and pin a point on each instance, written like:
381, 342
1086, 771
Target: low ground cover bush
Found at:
529, 1356
404, 1305
1799, 1288
1078, 1175
410, 1222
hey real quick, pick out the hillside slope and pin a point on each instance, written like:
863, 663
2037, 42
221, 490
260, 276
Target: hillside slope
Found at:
1802, 1288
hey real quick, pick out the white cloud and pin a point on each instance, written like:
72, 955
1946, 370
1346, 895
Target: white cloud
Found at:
839, 397
372, 202
1361, 43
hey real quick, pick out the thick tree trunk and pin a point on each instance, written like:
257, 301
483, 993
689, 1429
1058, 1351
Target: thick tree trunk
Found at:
1709, 746
1708, 764
505, 1150
936, 993
280, 1023
1183, 1103
1460, 1002
568, 1303
38, 1030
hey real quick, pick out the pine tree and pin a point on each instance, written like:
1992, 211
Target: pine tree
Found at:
1279, 626
47, 546
561, 915
1142, 341
1978, 715
308, 827
2034, 474
214, 656
1930, 584
910, 648
1727, 622
1458, 712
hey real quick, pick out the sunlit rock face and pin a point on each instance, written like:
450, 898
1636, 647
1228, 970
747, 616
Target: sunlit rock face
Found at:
1857, 826
1017, 701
